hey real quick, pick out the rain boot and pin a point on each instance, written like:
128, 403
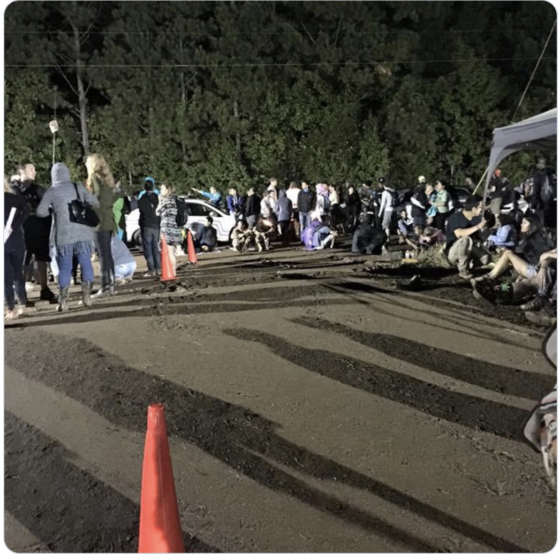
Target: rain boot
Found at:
86, 295
63, 300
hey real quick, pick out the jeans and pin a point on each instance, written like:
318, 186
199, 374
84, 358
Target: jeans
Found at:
285, 229
251, 221
13, 276
125, 271
65, 268
304, 220
404, 229
103, 245
150, 243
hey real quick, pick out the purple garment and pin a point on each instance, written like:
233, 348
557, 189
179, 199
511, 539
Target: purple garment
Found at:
308, 233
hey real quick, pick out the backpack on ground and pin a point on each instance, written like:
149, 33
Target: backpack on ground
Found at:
182, 212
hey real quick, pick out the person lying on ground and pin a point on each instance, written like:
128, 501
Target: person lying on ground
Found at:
525, 259
125, 265
368, 240
462, 244
214, 197
506, 235
208, 239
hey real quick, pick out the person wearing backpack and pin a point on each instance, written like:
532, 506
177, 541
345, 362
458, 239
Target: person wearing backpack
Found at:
171, 215
149, 228
388, 203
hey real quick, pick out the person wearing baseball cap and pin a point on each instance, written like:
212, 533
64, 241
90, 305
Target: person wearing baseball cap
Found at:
421, 179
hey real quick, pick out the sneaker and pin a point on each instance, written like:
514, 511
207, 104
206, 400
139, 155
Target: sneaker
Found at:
535, 305
121, 282
545, 317
485, 293
158, 272
149, 274
29, 287
481, 279
465, 275
21, 310
10, 315
102, 294
48, 295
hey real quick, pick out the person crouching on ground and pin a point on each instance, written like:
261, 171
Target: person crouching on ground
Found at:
14, 252
284, 212
125, 265
208, 239
462, 248
239, 236
368, 240
70, 238
167, 211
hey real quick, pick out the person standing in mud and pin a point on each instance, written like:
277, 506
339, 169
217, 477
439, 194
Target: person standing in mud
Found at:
102, 183
167, 211
37, 231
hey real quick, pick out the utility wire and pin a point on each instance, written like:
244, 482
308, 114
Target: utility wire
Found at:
288, 64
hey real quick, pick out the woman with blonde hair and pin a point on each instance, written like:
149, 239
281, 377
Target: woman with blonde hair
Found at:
167, 210
102, 183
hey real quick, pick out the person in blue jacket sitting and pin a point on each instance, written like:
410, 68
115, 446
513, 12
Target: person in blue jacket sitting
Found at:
506, 235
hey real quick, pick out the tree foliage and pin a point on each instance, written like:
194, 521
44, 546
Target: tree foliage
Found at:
228, 93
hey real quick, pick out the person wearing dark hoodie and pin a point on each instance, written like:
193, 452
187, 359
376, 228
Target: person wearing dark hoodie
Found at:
16, 211
284, 210
251, 207
70, 239
149, 228
368, 240
305, 205
208, 239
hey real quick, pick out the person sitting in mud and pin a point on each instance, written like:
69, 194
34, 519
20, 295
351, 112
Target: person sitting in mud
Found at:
239, 236
505, 238
431, 236
368, 240
463, 241
208, 238
413, 238
318, 235
404, 226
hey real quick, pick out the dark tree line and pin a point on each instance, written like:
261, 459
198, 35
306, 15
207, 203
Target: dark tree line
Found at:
224, 93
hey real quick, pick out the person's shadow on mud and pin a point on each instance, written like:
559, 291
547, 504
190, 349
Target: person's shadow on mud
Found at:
233, 434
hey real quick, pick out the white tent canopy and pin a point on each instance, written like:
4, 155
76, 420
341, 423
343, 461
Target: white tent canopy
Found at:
535, 133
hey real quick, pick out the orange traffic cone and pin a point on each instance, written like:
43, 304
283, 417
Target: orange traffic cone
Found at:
167, 270
190, 249
160, 526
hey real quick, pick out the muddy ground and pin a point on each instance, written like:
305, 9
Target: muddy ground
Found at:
311, 406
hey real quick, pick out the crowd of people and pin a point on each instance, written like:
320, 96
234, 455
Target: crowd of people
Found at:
68, 225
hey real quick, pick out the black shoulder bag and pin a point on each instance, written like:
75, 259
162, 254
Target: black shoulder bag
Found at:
81, 212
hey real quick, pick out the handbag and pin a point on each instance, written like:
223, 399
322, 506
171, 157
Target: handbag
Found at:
81, 212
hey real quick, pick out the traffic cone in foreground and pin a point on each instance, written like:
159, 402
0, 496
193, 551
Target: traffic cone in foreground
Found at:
190, 249
160, 526
167, 271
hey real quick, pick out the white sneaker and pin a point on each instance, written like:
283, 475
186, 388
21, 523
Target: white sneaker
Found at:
21, 310
11, 314
29, 287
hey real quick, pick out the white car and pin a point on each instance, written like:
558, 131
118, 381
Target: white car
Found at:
198, 210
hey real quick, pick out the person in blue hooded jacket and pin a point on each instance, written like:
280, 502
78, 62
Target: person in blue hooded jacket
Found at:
154, 189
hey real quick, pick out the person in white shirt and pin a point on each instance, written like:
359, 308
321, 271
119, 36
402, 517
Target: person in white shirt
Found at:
268, 204
293, 193
386, 208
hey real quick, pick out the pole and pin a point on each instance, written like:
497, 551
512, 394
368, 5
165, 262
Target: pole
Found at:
54, 134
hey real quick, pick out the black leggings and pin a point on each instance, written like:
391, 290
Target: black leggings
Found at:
103, 245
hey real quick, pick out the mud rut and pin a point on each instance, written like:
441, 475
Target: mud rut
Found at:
311, 406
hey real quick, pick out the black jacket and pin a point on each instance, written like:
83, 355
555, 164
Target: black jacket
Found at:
147, 206
209, 237
420, 204
251, 205
306, 201
22, 213
533, 245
